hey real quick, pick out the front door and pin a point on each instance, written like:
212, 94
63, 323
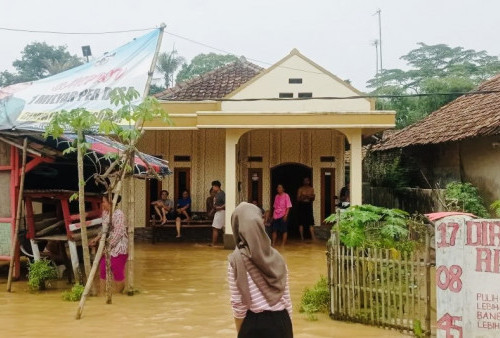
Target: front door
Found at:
327, 192
290, 176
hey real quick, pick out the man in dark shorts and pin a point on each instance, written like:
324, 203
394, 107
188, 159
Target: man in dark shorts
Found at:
305, 199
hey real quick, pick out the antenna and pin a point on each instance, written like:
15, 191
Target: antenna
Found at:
375, 43
379, 13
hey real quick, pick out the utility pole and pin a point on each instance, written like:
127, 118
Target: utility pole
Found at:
379, 13
375, 43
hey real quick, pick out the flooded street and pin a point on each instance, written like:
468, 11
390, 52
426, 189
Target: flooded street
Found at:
183, 293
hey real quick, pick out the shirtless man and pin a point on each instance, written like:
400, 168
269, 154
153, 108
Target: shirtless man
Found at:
305, 199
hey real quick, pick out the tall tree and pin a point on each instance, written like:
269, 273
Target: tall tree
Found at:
203, 63
168, 63
434, 69
38, 60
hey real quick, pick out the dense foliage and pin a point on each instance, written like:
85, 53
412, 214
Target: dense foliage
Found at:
434, 69
40, 272
369, 226
315, 299
464, 197
495, 207
39, 60
203, 63
74, 294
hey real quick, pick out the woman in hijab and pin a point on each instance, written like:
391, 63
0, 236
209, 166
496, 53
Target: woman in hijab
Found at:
258, 279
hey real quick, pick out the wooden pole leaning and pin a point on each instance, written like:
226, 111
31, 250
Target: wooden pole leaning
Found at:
18, 216
95, 265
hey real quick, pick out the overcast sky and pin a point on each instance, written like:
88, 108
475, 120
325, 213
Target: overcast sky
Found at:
336, 34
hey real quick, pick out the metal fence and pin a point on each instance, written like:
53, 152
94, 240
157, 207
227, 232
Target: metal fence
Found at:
380, 287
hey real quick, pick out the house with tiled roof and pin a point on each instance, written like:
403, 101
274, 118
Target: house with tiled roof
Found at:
253, 128
460, 141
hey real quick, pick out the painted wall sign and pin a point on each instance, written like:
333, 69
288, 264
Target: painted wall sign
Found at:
468, 277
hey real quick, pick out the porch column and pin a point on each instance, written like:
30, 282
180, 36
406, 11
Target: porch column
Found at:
356, 175
232, 138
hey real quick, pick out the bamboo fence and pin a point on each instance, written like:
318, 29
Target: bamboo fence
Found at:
380, 287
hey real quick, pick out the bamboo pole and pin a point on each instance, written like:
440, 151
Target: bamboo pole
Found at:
131, 230
102, 245
18, 216
353, 285
95, 265
400, 289
427, 286
340, 280
412, 280
372, 317
364, 268
377, 309
358, 283
383, 284
81, 206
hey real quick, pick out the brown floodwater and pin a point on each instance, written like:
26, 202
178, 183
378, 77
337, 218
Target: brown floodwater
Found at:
183, 293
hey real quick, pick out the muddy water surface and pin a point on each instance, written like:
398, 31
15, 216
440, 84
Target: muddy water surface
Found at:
183, 293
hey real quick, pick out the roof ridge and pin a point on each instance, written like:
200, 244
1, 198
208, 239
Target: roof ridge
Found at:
199, 78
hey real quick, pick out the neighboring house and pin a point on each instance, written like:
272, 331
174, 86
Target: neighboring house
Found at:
230, 125
460, 141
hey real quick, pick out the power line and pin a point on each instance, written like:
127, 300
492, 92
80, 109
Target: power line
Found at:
354, 97
74, 33
146, 29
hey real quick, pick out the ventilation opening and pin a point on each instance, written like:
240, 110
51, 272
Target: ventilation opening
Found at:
303, 95
295, 80
286, 95
182, 158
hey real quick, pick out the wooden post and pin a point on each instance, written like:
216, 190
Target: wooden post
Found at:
18, 215
427, 261
90, 279
131, 229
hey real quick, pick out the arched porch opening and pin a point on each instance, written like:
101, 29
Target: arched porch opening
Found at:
290, 175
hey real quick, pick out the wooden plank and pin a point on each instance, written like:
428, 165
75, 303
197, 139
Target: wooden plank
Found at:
400, 288
412, 286
372, 317
375, 286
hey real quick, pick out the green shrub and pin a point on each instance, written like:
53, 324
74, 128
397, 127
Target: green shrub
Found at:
369, 226
40, 272
495, 207
464, 197
315, 299
74, 294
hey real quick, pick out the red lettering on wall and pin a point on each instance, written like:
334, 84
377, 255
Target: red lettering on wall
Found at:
452, 280
447, 323
474, 240
480, 259
443, 241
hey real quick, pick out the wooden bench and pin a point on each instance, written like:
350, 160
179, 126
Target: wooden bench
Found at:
199, 220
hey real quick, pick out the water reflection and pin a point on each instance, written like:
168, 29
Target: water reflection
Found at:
183, 293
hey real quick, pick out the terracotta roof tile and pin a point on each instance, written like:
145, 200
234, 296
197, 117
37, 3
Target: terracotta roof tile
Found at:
213, 85
466, 117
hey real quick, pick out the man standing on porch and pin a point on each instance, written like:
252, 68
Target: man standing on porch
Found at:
220, 211
305, 199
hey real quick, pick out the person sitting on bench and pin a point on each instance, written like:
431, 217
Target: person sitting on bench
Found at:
164, 207
183, 211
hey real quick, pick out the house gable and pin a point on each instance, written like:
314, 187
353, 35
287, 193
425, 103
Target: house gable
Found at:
296, 76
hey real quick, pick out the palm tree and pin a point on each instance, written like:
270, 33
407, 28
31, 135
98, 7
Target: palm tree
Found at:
55, 66
167, 63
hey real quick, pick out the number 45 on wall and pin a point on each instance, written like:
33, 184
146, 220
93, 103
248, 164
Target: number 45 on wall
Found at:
447, 323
